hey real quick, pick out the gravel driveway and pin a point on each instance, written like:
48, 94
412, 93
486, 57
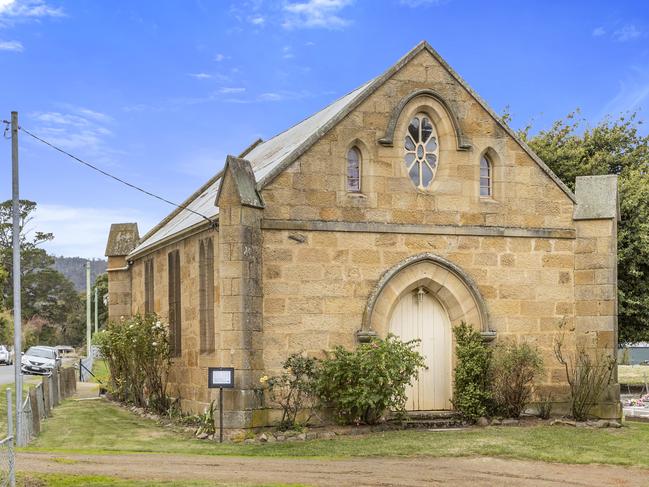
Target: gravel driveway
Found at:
354, 472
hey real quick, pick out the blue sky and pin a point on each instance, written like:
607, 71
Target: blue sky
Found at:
160, 92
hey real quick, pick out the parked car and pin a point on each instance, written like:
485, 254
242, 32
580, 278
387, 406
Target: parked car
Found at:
68, 354
39, 360
6, 355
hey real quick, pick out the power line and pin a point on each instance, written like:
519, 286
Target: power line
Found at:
133, 186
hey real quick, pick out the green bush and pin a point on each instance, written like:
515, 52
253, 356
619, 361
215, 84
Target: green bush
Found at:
294, 390
138, 356
588, 374
361, 385
472, 393
513, 370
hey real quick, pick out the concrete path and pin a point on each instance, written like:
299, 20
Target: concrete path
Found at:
354, 472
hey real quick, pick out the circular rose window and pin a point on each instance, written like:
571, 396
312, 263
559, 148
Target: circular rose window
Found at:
421, 151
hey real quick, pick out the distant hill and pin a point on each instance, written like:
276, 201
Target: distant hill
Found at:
74, 268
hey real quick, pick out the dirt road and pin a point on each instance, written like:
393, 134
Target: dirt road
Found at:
354, 472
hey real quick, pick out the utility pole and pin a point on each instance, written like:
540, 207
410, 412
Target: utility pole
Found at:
96, 309
15, 211
88, 305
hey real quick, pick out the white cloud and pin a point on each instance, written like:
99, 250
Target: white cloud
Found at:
83, 231
287, 52
283, 95
315, 14
599, 31
257, 20
632, 94
15, 46
230, 90
75, 129
21, 10
218, 57
200, 75
627, 33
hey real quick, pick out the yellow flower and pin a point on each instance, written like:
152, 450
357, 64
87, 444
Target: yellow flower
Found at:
263, 379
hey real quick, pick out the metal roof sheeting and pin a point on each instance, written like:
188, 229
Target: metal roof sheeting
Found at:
264, 157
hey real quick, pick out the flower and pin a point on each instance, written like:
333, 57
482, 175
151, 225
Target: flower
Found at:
154, 343
263, 379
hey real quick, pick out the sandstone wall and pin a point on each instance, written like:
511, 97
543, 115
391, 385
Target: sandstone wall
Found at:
189, 371
313, 188
315, 291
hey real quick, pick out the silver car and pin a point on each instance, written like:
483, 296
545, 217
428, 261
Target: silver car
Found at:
6, 355
39, 360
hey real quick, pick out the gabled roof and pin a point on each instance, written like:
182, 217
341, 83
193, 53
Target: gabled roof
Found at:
268, 159
264, 158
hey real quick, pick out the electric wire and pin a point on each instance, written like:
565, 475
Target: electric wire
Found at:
118, 179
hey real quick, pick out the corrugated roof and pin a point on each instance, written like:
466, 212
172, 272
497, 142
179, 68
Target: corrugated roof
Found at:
264, 157
182, 220
271, 157
270, 154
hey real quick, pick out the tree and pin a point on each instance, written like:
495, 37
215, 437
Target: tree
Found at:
33, 259
52, 310
101, 285
614, 146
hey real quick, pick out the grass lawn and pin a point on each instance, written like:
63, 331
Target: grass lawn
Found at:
101, 427
55, 480
28, 381
633, 374
100, 370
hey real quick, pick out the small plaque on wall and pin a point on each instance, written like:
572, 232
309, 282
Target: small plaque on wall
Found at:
220, 377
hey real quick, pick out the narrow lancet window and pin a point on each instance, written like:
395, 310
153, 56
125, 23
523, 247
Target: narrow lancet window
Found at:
485, 177
354, 161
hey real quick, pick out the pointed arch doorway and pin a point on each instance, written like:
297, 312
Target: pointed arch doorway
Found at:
418, 314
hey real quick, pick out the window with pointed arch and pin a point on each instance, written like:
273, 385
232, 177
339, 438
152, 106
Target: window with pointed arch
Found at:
485, 177
422, 151
354, 162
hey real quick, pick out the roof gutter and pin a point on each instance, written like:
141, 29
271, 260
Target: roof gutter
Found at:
171, 239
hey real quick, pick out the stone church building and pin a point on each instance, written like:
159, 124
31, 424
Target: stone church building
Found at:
406, 206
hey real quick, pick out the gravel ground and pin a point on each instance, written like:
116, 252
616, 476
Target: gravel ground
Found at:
356, 472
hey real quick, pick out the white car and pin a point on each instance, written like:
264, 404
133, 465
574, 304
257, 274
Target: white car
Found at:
6, 356
39, 360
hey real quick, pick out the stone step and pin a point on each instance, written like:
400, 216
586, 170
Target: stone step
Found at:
420, 415
442, 423
429, 422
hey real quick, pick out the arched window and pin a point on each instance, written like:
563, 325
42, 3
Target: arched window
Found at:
354, 161
422, 151
485, 177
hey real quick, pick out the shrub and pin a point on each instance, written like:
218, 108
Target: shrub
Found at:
137, 353
513, 370
545, 406
587, 374
205, 421
294, 390
362, 384
471, 396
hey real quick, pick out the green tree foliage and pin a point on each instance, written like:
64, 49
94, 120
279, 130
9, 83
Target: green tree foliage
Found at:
52, 309
472, 395
101, 284
614, 146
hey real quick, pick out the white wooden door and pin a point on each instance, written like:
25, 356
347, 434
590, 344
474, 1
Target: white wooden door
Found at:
419, 315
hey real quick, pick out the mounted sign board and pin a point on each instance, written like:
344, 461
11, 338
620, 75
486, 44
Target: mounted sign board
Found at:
220, 377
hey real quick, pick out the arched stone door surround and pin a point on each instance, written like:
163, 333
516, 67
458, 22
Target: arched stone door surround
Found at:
453, 287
